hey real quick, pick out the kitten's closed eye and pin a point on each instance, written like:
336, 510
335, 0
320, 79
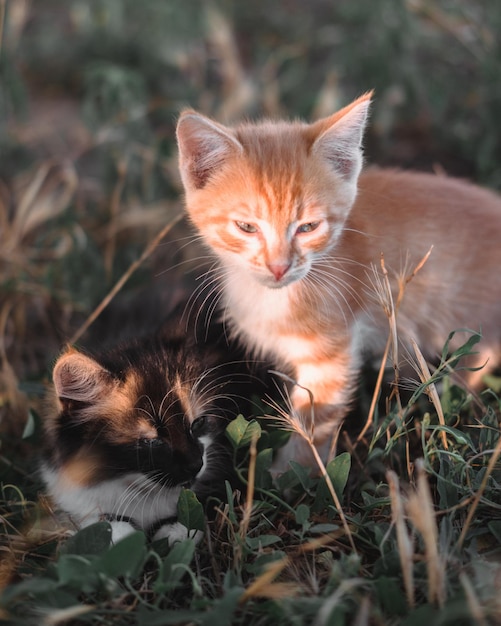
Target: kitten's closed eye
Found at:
308, 227
246, 227
200, 426
251, 229
151, 442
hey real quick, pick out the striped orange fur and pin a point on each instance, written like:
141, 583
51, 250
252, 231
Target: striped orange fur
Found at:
297, 228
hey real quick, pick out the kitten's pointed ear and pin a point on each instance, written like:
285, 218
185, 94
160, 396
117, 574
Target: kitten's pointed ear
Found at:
340, 137
204, 146
79, 377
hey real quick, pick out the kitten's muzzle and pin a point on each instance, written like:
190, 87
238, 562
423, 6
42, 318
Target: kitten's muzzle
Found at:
279, 269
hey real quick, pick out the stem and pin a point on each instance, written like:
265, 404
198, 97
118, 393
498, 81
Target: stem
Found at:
478, 495
333, 493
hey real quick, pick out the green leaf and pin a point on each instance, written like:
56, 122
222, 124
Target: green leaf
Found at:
322, 529
31, 586
338, 470
229, 499
190, 512
78, 572
302, 514
302, 474
125, 558
255, 543
297, 474
181, 552
146, 617
223, 609
263, 464
220, 613
175, 566
446, 485
495, 528
93, 539
390, 596
241, 432
277, 438
425, 614
461, 438
464, 350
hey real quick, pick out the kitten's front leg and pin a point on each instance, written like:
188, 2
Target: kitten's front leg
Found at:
320, 402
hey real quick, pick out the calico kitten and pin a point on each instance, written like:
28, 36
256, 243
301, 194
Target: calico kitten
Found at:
298, 229
127, 428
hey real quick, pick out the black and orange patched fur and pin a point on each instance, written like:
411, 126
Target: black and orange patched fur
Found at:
128, 427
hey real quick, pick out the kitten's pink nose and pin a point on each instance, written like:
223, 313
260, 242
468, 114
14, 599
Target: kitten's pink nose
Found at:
278, 269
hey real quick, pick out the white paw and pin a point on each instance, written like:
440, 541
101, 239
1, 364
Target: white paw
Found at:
120, 529
177, 532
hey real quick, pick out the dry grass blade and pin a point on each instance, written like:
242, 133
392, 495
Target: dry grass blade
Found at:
363, 615
322, 618
383, 291
37, 198
293, 422
420, 509
375, 395
264, 587
473, 602
239, 93
405, 548
251, 478
490, 468
62, 616
47, 195
456, 27
329, 97
109, 253
425, 375
312, 545
332, 491
124, 278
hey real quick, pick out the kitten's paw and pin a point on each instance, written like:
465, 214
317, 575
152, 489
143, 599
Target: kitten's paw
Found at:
175, 531
120, 529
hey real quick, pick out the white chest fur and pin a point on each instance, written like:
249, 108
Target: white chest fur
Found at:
260, 315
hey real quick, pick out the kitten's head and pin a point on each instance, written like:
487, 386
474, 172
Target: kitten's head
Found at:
156, 407
272, 197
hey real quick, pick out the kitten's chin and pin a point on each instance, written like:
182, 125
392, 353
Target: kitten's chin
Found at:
273, 284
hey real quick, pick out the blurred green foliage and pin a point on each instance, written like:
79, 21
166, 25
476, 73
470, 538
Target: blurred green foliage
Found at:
435, 67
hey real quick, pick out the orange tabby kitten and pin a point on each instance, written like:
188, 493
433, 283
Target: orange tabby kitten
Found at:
297, 227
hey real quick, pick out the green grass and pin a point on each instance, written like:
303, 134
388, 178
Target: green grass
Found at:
89, 95
417, 537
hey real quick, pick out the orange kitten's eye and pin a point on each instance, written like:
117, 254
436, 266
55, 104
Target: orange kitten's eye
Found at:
246, 227
307, 228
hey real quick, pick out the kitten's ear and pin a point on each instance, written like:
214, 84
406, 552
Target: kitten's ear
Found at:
204, 146
79, 377
340, 137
